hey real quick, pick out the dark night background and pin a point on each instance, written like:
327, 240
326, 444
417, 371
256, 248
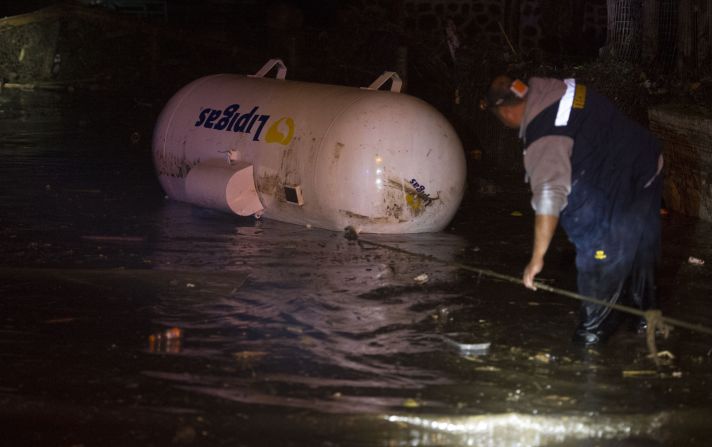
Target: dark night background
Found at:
153, 49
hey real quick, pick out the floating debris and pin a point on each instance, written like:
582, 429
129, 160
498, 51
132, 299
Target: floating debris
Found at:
350, 233
542, 357
411, 403
166, 341
466, 349
487, 368
666, 355
421, 279
646, 373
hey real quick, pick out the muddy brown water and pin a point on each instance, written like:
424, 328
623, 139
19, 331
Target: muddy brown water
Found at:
128, 319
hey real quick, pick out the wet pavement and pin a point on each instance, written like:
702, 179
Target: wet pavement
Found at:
128, 319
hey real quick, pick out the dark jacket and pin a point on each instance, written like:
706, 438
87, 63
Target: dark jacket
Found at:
611, 162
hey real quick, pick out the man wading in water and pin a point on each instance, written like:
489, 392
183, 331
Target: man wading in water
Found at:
598, 173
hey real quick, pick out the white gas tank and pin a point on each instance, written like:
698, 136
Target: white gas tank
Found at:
311, 154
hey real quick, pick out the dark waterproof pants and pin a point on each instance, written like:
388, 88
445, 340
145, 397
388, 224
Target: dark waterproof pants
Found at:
627, 276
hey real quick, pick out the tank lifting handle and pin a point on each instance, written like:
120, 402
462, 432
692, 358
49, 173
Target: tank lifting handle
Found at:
396, 82
266, 68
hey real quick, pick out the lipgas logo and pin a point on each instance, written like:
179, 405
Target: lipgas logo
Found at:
275, 136
252, 122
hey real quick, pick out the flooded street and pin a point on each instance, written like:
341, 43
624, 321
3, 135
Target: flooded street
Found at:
127, 319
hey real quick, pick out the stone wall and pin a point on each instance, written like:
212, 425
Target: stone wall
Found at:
686, 134
29, 47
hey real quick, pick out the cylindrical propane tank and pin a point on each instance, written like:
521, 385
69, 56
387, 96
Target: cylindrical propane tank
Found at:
311, 154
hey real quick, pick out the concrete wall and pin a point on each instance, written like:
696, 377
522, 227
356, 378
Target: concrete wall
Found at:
28, 48
686, 134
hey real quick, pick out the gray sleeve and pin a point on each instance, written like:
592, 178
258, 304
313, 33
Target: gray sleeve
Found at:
548, 165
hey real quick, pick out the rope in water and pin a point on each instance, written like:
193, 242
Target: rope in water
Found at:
655, 319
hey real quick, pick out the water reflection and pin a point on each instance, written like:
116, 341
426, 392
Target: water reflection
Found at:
168, 341
306, 321
529, 430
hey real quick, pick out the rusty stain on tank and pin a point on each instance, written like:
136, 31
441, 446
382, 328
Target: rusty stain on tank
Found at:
270, 184
377, 219
337, 151
172, 165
